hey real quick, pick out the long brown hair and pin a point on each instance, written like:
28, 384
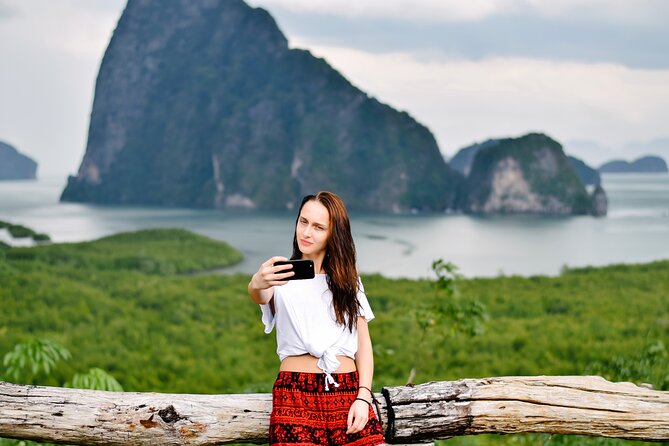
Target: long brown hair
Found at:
340, 258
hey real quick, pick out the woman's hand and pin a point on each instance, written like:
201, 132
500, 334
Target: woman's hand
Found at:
358, 415
260, 287
268, 275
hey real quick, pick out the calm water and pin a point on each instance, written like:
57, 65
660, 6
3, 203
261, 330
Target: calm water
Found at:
635, 230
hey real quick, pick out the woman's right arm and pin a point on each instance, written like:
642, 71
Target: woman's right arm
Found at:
261, 286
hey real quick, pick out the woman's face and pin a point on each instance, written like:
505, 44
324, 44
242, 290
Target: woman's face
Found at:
313, 228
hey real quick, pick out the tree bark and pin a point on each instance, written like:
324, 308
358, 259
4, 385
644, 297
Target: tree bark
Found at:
585, 405
557, 404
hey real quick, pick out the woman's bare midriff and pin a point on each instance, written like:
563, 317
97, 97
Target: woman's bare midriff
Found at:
308, 364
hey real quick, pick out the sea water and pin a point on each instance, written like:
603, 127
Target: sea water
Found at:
635, 230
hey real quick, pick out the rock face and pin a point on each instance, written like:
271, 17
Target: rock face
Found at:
14, 165
600, 203
202, 104
530, 174
646, 164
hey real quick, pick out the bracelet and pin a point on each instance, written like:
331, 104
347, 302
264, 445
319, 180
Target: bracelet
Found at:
362, 399
366, 388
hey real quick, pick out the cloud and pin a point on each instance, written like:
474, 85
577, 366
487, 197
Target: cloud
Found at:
69, 27
464, 101
6, 11
425, 10
583, 31
639, 12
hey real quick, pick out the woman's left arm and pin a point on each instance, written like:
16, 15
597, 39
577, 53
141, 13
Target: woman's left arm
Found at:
358, 414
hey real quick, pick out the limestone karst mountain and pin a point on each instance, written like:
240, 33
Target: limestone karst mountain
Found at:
203, 104
530, 174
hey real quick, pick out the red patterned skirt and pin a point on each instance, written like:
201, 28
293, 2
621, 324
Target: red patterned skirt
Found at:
303, 412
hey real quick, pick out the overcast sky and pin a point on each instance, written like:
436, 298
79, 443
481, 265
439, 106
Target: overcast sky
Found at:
593, 71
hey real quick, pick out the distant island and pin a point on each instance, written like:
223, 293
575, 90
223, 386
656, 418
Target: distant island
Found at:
646, 164
15, 165
529, 174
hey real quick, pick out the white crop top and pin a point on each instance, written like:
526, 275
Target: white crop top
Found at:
305, 323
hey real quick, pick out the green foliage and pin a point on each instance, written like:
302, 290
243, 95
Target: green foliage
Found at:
95, 379
201, 333
650, 366
37, 357
34, 357
9, 442
448, 314
40, 237
152, 251
537, 440
458, 315
19, 231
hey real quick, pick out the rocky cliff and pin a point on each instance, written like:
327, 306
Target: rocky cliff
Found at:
646, 164
530, 174
14, 165
202, 104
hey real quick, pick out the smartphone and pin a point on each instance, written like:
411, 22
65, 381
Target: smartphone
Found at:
304, 269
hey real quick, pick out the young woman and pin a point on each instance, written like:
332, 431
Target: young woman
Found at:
322, 394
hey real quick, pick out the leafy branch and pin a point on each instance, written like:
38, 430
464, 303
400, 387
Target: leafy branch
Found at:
38, 358
450, 314
32, 358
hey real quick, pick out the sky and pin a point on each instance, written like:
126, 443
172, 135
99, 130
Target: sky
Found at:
592, 74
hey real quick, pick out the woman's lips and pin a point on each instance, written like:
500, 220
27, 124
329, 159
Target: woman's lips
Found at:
306, 243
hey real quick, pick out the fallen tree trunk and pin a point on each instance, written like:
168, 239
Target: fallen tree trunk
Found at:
557, 404
585, 405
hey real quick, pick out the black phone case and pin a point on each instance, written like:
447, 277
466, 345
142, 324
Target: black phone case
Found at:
304, 269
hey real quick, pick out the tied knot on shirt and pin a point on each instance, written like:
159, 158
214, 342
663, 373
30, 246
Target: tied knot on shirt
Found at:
305, 324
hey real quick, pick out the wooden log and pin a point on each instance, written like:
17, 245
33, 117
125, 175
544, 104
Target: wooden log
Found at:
93, 417
558, 404
551, 404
